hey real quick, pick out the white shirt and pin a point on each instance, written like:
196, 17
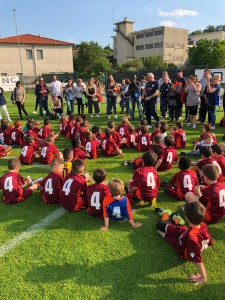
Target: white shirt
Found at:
56, 87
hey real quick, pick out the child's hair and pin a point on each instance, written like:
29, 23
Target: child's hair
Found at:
56, 162
149, 158
157, 124
95, 129
4, 123
63, 118
75, 142
124, 120
217, 149
51, 138
79, 119
116, 187
28, 138
47, 121
131, 128
13, 163
184, 163
206, 151
156, 149
168, 141
179, 124
30, 125
108, 132
174, 128
163, 128
17, 123
157, 139
195, 212
71, 117
143, 122
111, 124
83, 124
206, 128
88, 135
67, 153
144, 129
165, 124
77, 166
206, 136
211, 171
99, 175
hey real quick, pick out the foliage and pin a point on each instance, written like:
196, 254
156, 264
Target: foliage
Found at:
209, 28
133, 64
155, 62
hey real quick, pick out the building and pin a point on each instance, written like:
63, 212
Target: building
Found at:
171, 43
213, 36
34, 55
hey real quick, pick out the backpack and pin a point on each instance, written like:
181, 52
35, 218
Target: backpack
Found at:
13, 95
222, 122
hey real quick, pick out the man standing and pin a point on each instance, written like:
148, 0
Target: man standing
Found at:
41, 92
182, 79
150, 96
56, 88
135, 96
203, 94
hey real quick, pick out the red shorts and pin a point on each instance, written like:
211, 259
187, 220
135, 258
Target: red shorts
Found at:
173, 233
137, 194
172, 191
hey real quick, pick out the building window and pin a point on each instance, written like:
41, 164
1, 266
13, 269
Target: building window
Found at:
158, 45
149, 46
29, 54
40, 54
159, 32
3, 74
140, 36
150, 33
140, 47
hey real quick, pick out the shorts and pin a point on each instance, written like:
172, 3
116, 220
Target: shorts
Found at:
137, 194
193, 110
173, 192
173, 233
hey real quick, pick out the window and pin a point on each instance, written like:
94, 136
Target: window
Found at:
29, 54
3, 74
159, 32
40, 54
158, 45
150, 33
149, 46
140, 35
140, 47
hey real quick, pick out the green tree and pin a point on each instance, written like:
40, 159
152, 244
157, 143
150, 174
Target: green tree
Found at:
155, 62
132, 64
198, 31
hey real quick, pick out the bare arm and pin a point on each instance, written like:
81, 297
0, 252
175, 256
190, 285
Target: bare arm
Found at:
201, 277
158, 163
106, 224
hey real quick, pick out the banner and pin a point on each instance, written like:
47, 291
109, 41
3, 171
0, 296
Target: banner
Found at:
8, 82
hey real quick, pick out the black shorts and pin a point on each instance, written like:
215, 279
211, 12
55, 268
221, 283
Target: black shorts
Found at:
193, 110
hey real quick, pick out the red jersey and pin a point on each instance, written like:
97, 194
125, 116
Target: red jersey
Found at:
109, 146
168, 156
44, 132
213, 198
138, 130
130, 139
185, 181
81, 133
95, 194
221, 162
31, 132
2, 151
79, 153
5, 135
74, 129
206, 161
117, 138
48, 152
74, 192
122, 130
143, 142
70, 124
147, 180
63, 128
27, 154
213, 137
180, 139
51, 187
156, 132
17, 137
189, 242
91, 147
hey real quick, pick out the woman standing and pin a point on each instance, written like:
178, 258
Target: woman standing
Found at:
111, 95
192, 89
3, 105
125, 95
69, 95
213, 90
79, 90
92, 99
41, 92
19, 98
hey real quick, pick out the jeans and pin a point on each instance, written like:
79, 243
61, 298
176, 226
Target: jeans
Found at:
133, 102
174, 112
20, 109
150, 110
127, 105
95, 104
43, 103
212, 115
111, 103
164, 105
70, 106
80, 109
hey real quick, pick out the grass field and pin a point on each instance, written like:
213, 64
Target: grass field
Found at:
72, 259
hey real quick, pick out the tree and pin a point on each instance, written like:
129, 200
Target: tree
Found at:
155, 62
199, 31
135, 63
210, 28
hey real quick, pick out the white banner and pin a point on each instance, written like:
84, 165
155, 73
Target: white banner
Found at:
220, 72
8, 83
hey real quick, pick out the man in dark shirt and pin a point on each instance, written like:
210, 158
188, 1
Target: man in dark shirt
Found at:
135, 92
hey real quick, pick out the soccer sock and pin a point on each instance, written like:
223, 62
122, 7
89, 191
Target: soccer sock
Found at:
165, 216
176, 220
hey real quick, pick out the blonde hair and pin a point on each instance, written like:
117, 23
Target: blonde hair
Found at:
116, 187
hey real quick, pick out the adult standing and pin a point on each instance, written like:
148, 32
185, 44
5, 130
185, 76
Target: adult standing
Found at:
125, 96
92, 99
56, 88
150, 96
36, 99
111, 96
135, 97
203, 106
164, 90
41, 92
192, 89
3, 105
19, 99
213, 90
69, 93
79, 91
182, 79
160, 82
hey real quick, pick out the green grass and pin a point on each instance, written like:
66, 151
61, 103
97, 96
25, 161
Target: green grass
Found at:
73, 259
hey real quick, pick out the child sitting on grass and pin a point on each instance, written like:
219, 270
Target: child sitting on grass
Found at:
217, 151
115, 134
117, 206
109, 146
12, 184
46, 130
67, 157
129, 138
49, 151
156, 131
141, 123
123, 127
189, 242
28, 151
78, 150
91, 145
17, 134
143, 140
179, 136
206, 142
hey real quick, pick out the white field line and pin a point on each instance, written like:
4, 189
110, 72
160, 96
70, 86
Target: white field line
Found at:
31, 231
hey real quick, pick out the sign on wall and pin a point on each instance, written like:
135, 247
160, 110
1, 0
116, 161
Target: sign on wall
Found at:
220, 72
8, 82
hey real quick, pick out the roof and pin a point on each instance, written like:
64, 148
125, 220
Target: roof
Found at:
158, 28
32, 39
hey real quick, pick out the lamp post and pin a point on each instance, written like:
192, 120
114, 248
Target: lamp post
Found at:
18, 42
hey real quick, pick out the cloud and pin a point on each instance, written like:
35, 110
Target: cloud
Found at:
167, 23
178, 13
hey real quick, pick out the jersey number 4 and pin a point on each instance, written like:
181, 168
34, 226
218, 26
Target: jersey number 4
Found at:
8, 184
95, 200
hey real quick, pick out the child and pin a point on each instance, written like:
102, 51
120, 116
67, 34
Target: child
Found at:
82, 130
109, 146
97, 133
129, 138
78, 150
63, 128
173, 130
70, 124
211, 196
163, 131
76, 127
91, 145
30, 130
5, 150
49, 151
28, 151
96, 193
217, 151
115, 134
156, 131
180, 136
5, 132
45, 130
17, 134
206, 129
182, 182
117, 206
123, 128
141, 123
167, 157
67, 157
189, 242
12, 184
143, 140
73, 196
145, 182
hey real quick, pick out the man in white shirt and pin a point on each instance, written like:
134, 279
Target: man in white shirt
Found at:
56, 88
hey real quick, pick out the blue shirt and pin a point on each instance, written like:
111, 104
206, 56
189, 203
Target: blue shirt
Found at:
151, 88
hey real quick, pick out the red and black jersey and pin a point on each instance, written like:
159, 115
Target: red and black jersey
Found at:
48, 152
51, 188
168, 156
95, 194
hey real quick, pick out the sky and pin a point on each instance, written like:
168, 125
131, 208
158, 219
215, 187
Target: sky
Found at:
76, 21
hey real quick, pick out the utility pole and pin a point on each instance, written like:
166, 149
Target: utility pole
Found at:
18, 42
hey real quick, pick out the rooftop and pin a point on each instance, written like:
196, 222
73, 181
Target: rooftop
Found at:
32, 39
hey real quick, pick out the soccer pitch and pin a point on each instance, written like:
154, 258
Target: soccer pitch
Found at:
48, 253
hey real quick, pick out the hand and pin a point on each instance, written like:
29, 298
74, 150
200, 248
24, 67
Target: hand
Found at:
103, 228
87, 177
196, 278
197, 189
137, 224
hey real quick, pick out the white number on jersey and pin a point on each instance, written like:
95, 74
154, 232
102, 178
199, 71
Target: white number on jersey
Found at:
13, 136
40, 132
60, 127
222, 198
151, 180
8, 184
169, 157
88, 147
187, 182
117, 212
43, 151
95, 200
72, 130
132, 138
66, 186
216, 163
2, 136
104, 144
48, 186
144, 141
184, 137
121, 131
24, 151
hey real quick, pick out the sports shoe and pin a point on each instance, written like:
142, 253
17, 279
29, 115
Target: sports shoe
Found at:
109, 117
141, 203
91, 116
212, 127
177, 216
149, 126
126, 163
9, 120
37, 181
34, 112
194, 126
115, 116
183, 208
188, 125
97, 116
153, 202
160, 211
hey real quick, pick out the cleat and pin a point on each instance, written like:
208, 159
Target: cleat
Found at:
126, 163
177, 216
37, 181
160, 211
154, 202
141, 203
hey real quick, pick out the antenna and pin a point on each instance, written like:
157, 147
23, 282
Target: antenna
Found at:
113, 14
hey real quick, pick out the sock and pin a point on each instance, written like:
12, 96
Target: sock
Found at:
165, 216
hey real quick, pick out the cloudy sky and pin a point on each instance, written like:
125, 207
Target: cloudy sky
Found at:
77, 21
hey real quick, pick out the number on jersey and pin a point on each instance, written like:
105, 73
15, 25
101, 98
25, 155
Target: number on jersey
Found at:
104, 144
13, 136
121, 131
169, 157
66, 186
222, 198
40, 132
187, 182
117, 212
43, 151
24, 151
95, 200
2, 136
48, 186
88, 147
151, 180
132, 138
8, 184
184, 137
144, 141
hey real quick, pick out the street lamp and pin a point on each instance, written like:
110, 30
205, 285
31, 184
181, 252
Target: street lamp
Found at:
18, 42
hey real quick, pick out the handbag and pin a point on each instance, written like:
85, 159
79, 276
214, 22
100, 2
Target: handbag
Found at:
84, 99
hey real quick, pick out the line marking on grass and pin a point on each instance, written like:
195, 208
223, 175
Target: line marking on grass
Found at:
40, 166
31, 231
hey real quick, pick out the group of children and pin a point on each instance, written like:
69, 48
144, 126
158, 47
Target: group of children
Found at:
200, 186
